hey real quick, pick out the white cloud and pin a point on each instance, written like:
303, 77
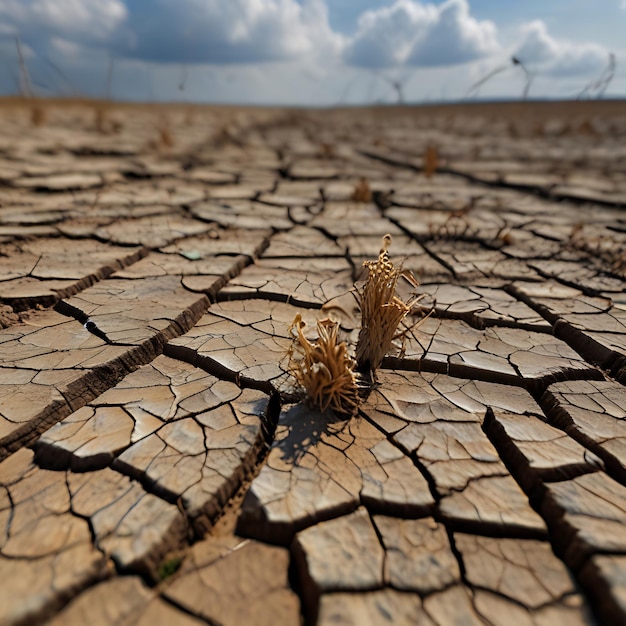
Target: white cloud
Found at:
543, 53
456, 37
81, 36
197, 31
81, 21
385, 36
277, 51
413, 33
183, 31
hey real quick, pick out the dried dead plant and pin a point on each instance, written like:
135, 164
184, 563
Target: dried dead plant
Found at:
515, 63
599, 86
382, 311
587, 128
103, 122
431, 160
323, 368
326, 150
166, 139
362, 192
228, 135
505, 237
100, 119
38, 115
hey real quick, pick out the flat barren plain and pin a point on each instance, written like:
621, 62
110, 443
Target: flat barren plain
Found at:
157, 465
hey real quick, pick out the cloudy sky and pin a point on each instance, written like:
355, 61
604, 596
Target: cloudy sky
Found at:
314, 52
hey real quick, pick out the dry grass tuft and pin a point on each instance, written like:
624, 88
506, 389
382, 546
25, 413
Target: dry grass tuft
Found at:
323, 368
431, 160
382, 310
100, 119
103, 121
228, 135
166, 139
37, 115
326, 151
362, 192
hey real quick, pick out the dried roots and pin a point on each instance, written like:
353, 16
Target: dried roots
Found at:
323, 368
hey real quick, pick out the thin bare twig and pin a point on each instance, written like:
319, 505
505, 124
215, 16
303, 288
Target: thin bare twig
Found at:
498, 70
601, 84
397, 84
109, 81
26, 87
527, 74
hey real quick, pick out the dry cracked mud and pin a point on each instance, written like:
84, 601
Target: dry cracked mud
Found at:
155, 463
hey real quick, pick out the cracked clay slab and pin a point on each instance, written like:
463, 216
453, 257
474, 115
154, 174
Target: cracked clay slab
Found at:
436, 420
242, 340
185, 434
594, 414
318, 469
49, 366
481, 482
506, 355
594, 326
587, 515
47, 269
302, 281
537, 452
121, 602
53, 363
63, 531
524, 571
46, 552
482, 306
233, 581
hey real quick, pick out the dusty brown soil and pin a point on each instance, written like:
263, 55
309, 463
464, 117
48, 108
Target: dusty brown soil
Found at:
154, 465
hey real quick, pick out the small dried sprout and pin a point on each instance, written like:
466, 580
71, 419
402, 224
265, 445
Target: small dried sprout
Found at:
189, 118
166, 139
227, 135
103, 121
323, 368
37, 115
382, 310
362, 192
576, 234
327, 150
431, 160
505, 237
100, 119
587, 128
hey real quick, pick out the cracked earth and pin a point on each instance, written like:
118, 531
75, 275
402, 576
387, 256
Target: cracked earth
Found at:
155, 464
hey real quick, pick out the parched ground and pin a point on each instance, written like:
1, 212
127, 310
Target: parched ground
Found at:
154, 467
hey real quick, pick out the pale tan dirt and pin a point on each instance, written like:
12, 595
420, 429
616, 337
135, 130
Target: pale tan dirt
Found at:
155, 463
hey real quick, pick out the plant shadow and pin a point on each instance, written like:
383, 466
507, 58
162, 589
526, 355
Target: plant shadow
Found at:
305, 426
